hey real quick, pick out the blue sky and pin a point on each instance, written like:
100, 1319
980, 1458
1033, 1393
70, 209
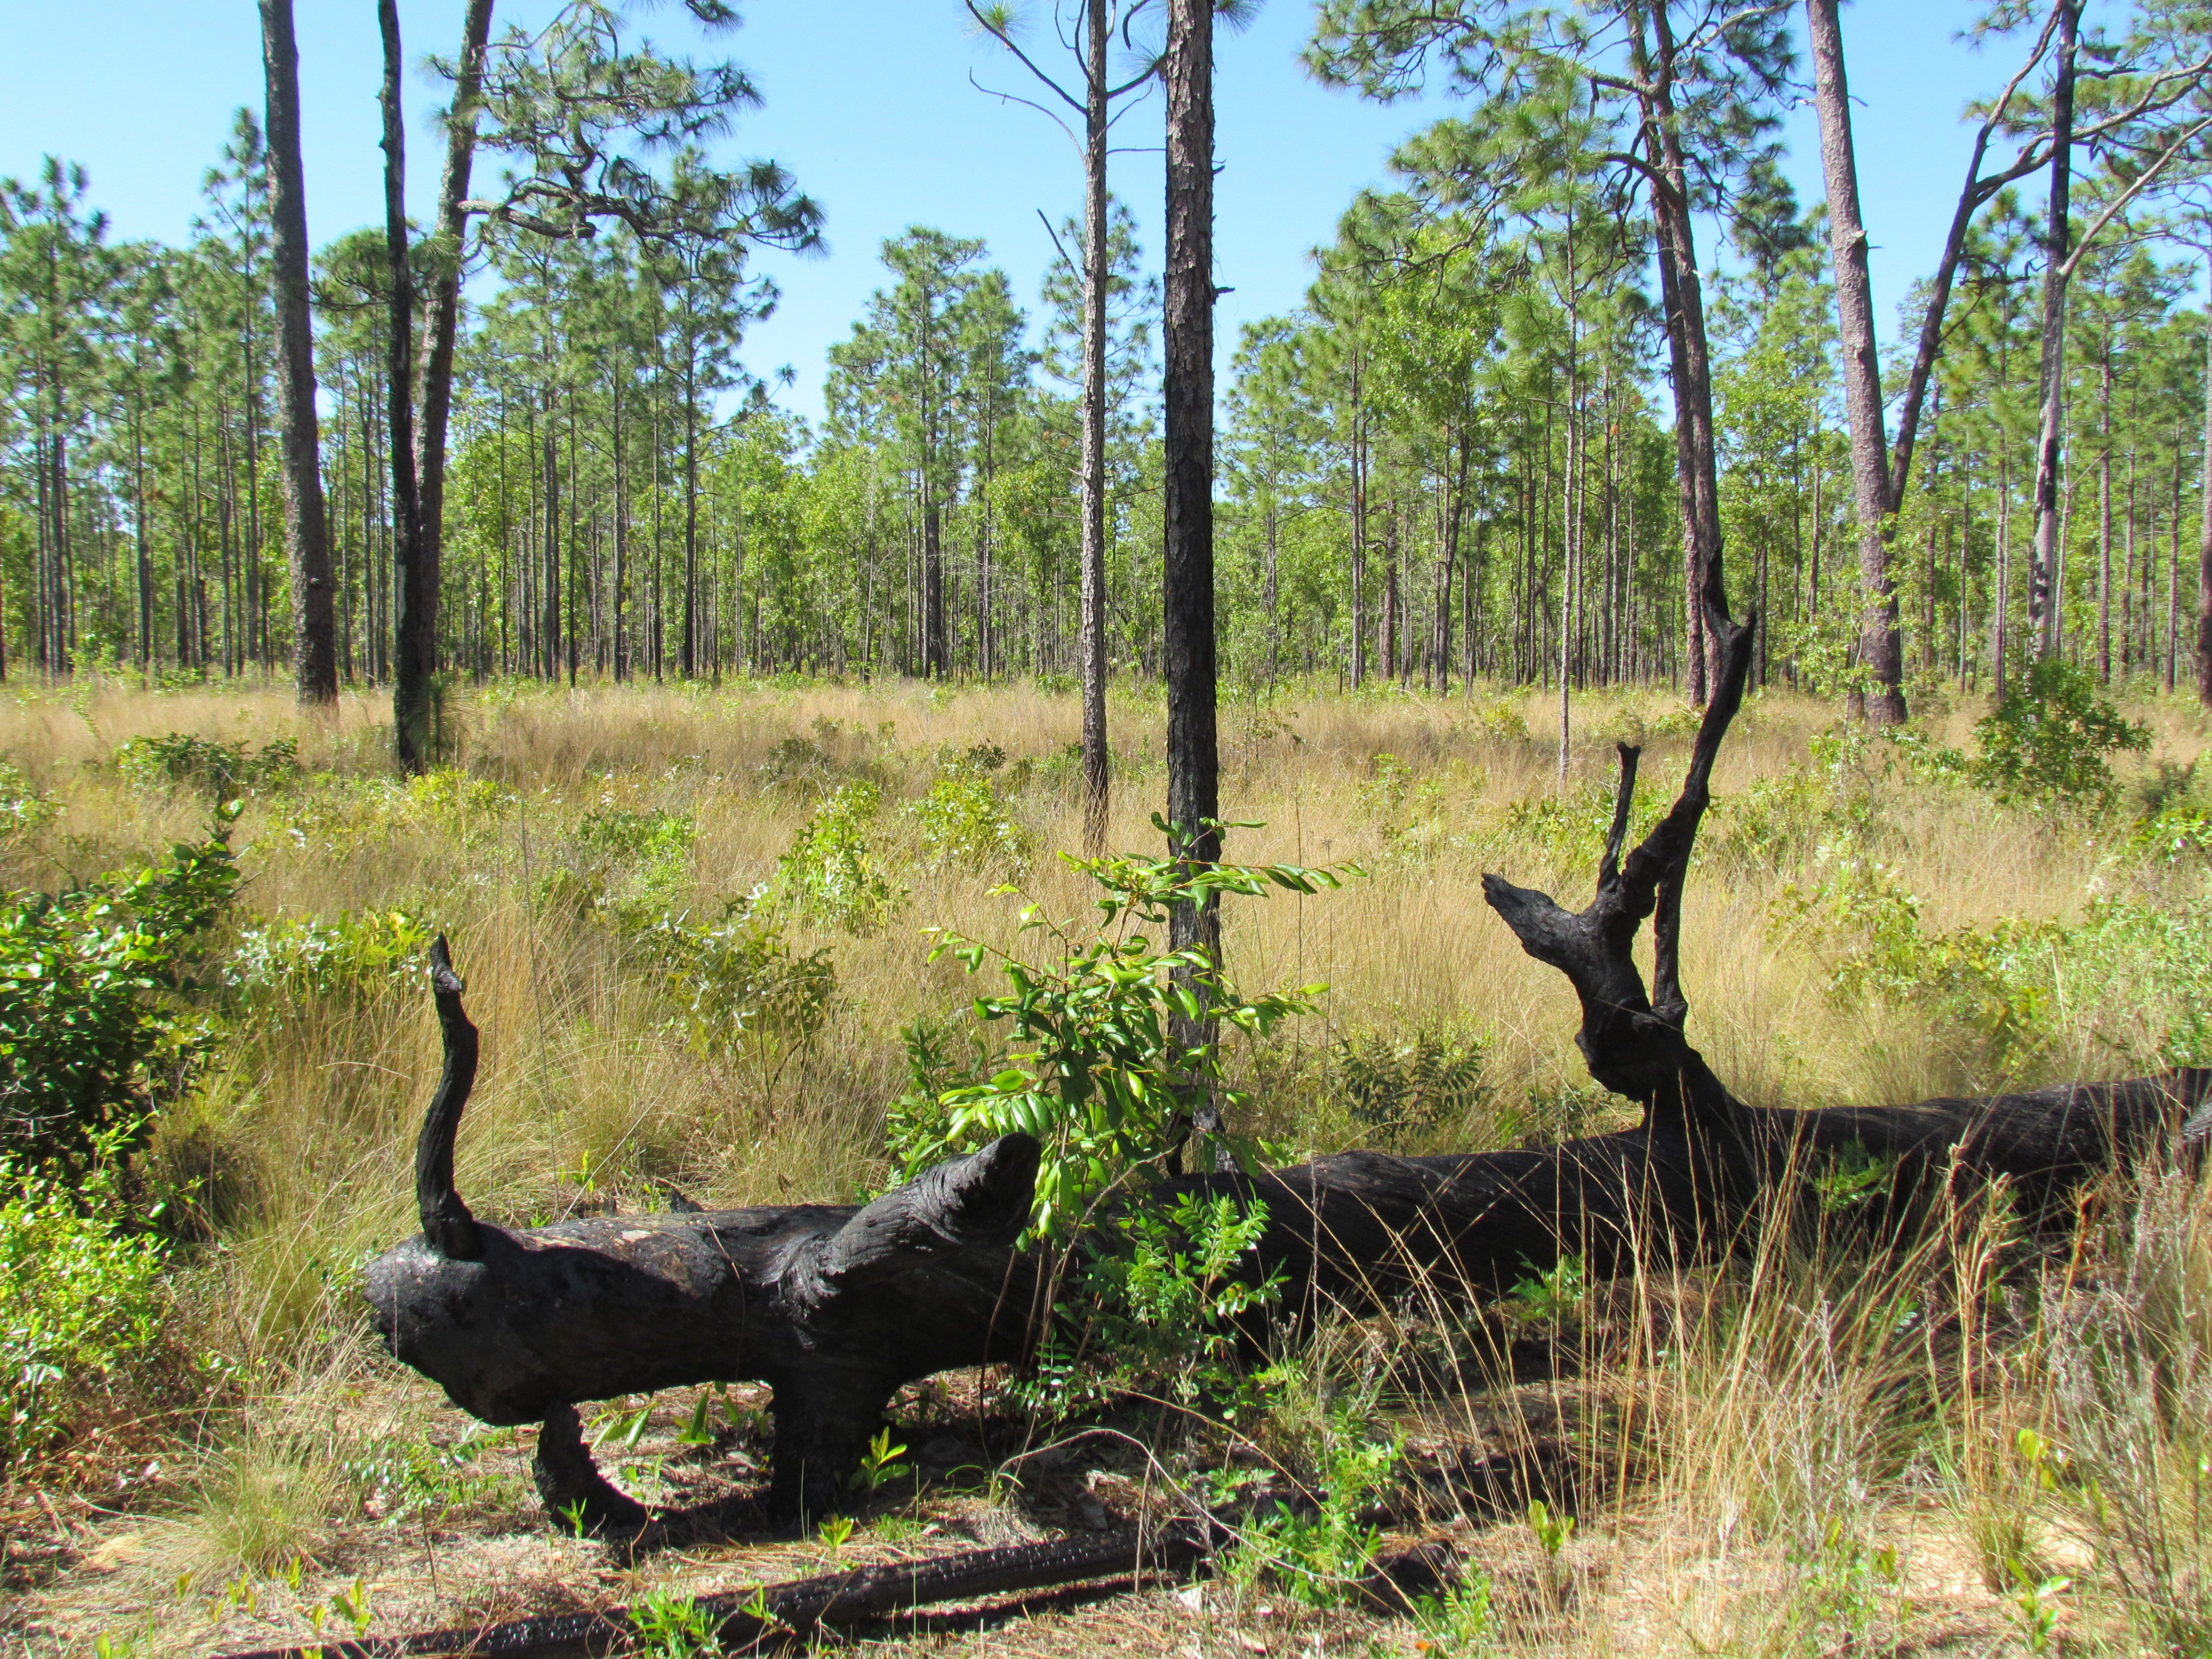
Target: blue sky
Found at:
869, 103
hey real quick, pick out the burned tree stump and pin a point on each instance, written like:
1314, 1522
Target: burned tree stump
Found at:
835, 1306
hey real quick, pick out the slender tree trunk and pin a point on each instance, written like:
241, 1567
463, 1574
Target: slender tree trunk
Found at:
1999, 645
569, 573
690, 515
2173, 573
2204, 535
1097, 783
1571, 538
145, 551
1193, 760
442, 311
2043, 597
620, 642
1386, 626
307, 524
417, 596
2105, 515
1358, 484
1881, 650
65, 626
256, 620
549, 575
1691, 358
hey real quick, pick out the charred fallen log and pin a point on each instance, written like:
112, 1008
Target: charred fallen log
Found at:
834, 1306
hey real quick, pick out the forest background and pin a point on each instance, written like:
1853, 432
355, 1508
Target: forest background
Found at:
1400, 444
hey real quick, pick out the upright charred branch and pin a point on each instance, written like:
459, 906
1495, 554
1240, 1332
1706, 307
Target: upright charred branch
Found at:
1632, 1040
447, 1226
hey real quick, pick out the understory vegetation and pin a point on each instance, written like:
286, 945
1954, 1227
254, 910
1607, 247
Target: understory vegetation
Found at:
789, 941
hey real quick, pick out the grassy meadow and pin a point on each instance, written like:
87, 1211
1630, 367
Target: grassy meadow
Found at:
692, 926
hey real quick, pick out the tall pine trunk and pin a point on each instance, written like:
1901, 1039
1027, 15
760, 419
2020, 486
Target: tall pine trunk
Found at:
306, 523
619, 641
416, 598
1193, 758
1875, 494
1097, 783
2204, 536
442, 311
2105, 516
1689, 354
691, 510
2043, 595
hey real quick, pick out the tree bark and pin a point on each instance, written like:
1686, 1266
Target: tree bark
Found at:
1193, 757
619, 652
1097, 779
1359, 485
415, 624
2043, 595
441, 319
2105, 515
690, 512
1881, 650
306, 523
936, 660
2204, 536
1691, 355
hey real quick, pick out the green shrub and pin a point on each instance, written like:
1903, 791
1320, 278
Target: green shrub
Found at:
631, 861
1399, 1083
81, 1303
1092, 1069
23, 811
1496, 719
1321, 1557
1774, 821
1156, 1298
1989, 981
1572, 826
2139, 974
2048, 742
473, 811
628, 833
93, 1028
796, 760
964, 825
829, 876
738, 979
1460, 1623
1386, 794
356, 955
223, 768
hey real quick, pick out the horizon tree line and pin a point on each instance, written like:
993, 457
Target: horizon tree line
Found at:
1506, 438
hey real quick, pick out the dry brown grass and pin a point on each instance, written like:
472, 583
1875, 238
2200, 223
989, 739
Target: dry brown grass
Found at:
1731, 1447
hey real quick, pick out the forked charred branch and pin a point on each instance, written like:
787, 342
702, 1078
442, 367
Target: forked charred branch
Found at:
1633, 1040
835, 1306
